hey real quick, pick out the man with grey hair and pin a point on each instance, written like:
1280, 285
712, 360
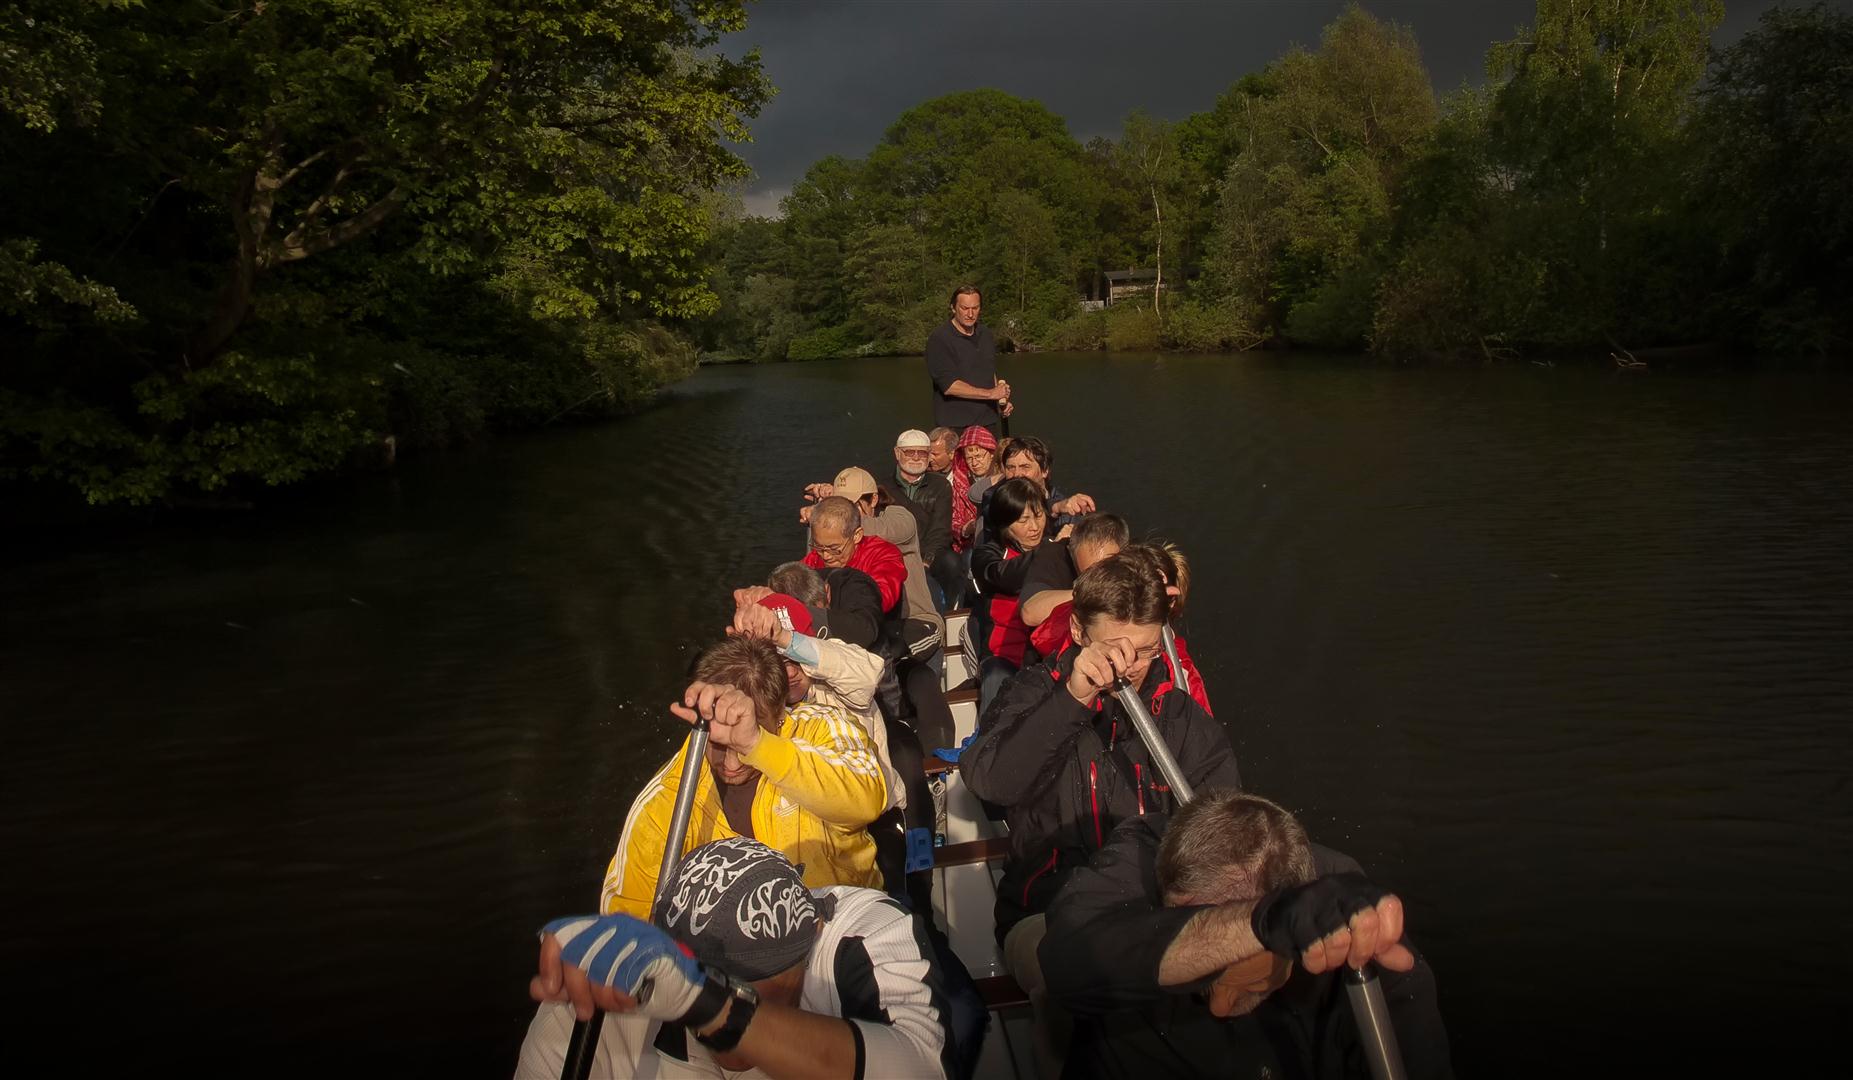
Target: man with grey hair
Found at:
1179, 942
943, 447
845, 604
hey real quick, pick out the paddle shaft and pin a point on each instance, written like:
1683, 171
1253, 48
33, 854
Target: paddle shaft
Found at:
1375, 1030
1178, 673
1155, 744
584, 1045
1368, 1008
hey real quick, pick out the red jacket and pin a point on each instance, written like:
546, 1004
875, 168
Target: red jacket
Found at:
1009, 633
1051, 637
878, 559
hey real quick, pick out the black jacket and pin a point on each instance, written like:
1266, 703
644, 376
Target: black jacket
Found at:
854, 613
1107, 935
1068, 773
931, 505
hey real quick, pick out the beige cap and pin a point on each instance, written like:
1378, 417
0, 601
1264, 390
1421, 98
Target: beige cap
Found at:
911, 439
853, 483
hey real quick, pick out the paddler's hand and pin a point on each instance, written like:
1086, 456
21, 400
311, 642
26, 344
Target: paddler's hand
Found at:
752, 594
1000, 391
1097, 665
759, 621
1339, 919
804, 514
818, 492
620, 964
1004, 410
732, 721
1074, 504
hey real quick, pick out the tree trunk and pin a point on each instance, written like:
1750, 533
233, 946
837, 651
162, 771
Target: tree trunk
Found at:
228, 313
251, 210
1158, 216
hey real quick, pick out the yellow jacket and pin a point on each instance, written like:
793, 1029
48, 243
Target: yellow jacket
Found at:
820, 787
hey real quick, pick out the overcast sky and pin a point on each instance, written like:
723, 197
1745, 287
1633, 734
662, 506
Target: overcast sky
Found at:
846, 69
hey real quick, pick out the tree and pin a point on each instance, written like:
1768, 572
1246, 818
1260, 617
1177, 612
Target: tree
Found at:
578, 131
1587, 120
1776, 120
1305, 206
262, 183
1149, 150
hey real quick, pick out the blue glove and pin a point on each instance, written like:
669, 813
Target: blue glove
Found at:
634, 957
952, 753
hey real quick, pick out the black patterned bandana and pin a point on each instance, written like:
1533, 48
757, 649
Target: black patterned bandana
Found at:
741, 907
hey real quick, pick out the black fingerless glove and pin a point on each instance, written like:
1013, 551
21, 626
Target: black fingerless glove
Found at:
1289, 921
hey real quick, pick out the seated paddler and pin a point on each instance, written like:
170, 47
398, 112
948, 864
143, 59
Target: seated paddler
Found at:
744, 972
1210, 945
803, 779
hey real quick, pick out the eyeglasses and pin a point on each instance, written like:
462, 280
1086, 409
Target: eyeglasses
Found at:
833, 551
915, 453
1148, 654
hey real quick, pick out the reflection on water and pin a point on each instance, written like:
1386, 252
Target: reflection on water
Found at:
1563, 657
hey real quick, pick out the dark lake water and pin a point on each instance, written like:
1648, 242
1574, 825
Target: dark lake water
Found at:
1562, 655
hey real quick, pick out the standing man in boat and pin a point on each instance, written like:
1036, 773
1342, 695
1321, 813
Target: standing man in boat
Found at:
962, 360
1178, 943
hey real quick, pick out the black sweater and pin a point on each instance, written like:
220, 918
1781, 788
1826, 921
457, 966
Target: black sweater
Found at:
1107, 934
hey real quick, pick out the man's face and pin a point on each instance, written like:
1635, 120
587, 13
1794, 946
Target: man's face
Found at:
1023, 463
965, 311
1143, 642
833, 545
1085, 557
939, 456
797, 683
913, 459
727, 766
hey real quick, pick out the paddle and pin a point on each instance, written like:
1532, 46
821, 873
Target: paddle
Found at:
1372, 1013
584, 1045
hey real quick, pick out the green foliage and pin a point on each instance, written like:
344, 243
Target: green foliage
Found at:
1305, 205
1082, 331
825, 343
1133, 328
1212, 326
247, 240
1776, 118
44, 294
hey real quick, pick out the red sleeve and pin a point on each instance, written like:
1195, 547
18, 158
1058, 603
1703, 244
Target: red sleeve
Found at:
1197, 689
1051, 635
814, 560
881, 561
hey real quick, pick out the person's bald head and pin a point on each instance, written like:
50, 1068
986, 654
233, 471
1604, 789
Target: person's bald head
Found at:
836, 529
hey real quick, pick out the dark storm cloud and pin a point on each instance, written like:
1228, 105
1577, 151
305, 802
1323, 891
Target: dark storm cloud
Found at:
846, 70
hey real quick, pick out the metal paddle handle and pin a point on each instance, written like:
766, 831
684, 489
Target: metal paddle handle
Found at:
1375, 1030
1178, 674
1372, 1013
1155, 744
584, 1045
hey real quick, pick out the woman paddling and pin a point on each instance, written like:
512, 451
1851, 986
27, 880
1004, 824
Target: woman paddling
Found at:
1016, 525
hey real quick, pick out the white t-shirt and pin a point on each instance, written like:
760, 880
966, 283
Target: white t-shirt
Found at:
870, 966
